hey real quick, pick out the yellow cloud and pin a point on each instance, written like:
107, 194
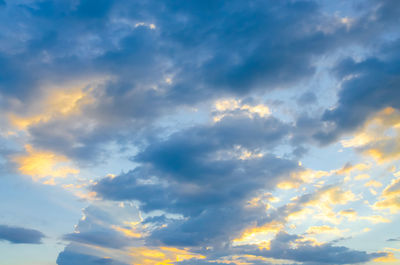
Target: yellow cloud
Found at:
63, 101
379, 137
224, 106
333, 195
388, 258
362, 177
161, 256
373, 183
262, 200
127, 232
348, 168
350, 214
390, 198
303, 176
376, 219
309, 175
321, 206
43, 164
258, 234
324, 229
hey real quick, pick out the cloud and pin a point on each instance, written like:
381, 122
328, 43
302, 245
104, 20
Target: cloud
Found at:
20, 235
324, 253
307, 98
390, 198
99, 227
80, 76
198, 173
101, 237
153, 70
393, 239
286, 247
76, 258
43, 165
368, 86
203, 262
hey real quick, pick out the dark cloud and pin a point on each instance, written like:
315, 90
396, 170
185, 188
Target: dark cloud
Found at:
74, 258
207, 48
202, 262
20, 235
160, 56
101, 237
321, 254
393, 239
92, 232
307, 98
307, 253
369, 86
198, 173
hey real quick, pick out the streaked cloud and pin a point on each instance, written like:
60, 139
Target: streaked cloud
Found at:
20, 235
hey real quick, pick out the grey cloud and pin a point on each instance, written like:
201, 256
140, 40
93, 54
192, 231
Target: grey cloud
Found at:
20, 235
75, 258
372, 86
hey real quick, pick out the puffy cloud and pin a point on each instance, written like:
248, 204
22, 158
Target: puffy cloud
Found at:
99, 227
180, 58
369, 86
79, 75
44, 165
378, 137
20, 235
390, 198
322, 254
195, 174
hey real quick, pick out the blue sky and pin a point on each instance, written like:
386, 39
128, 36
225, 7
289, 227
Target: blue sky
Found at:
199, 132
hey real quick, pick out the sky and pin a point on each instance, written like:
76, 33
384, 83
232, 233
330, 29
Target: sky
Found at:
199, 132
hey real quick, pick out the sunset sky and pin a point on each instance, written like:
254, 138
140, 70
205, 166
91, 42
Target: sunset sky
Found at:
199, 132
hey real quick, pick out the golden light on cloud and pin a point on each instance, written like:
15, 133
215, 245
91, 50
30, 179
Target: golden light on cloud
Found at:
348, 168
362, 177
373, 183
161, 255
350, 214
127, 232
332, 196
303, 176
321, 206
390, 198
380, 136
223, 107
64, 101
375, 219
259, 234
43, 165
388, 258
324, 229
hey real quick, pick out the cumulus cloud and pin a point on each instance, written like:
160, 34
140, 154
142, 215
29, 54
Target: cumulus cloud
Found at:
191, 54
199, 174
369, 86
319, 254
80, 76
